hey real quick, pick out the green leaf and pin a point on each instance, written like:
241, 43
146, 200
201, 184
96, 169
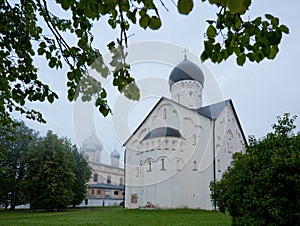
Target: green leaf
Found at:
238, 6
211, 31
269, 16
155, 23
111, 45
50, 98
144, 21
52, 62
185, 6
273, 52
103, 93
284, 29
241, 59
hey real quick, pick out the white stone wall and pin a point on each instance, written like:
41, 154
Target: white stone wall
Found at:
229, 139
183, 183
187, 93
188, 161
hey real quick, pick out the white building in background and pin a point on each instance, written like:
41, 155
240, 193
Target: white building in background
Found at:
181, 146
106, 186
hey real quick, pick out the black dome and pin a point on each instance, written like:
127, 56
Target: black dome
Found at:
163, 132
186, 70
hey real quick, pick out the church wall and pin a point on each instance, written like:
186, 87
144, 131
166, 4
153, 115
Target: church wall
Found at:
229, 139
178, 186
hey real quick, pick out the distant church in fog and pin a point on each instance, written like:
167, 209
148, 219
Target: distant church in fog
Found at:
181, 146
106, 186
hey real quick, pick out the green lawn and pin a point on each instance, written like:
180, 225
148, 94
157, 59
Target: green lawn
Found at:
114, 216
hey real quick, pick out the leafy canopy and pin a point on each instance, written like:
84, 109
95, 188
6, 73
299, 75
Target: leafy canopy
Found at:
56, 173
262, 187
29, 28
13, 170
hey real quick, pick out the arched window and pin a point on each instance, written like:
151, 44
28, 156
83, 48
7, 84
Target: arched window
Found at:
178, 165
194, 139
175, 144
181, 147
165, 113
137, 172
163, 164
195, 165
219, 166
158, 146
95, 179
108, 179
149, 166
166, 145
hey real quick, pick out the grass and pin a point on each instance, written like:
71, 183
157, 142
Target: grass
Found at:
114, 216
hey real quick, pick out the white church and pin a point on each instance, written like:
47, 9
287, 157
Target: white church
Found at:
181, 146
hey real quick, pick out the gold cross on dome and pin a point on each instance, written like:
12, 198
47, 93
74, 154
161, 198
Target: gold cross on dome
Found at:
185, 52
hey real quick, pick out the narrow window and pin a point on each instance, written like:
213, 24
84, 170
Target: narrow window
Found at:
95, 177
175, 143
195, 166
178, 165
181, 147
190, 98
165, 113
134, 198
219, 166
116, 192
150, 166
137, 171
163, 164
166, 145
108, 179
194, 139
121, 181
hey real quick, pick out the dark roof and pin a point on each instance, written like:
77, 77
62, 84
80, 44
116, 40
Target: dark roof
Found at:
107, 186
163, 132
214, 110
186, 70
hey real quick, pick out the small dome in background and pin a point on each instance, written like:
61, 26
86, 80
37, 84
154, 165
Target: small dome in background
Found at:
115, 154
92, 144
186, 70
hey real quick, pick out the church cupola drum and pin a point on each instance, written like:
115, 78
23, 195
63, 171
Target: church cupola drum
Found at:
186, 83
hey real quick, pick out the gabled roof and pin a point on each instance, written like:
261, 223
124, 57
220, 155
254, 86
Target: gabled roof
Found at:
214, 110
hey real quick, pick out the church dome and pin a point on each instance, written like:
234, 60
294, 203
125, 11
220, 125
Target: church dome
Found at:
115, 154
163, 132
186, 70
92, 144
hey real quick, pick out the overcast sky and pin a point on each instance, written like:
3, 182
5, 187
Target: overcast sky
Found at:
260, 92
